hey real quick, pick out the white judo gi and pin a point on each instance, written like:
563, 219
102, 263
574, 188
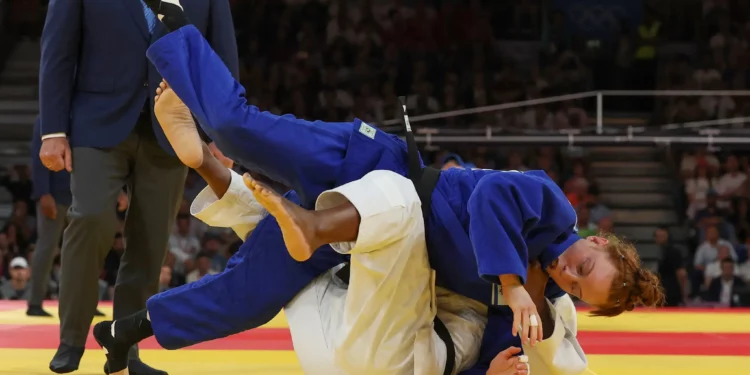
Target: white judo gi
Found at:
382, 322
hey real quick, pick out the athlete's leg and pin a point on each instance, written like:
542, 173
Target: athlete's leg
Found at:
389, 309
303, 155
249, 294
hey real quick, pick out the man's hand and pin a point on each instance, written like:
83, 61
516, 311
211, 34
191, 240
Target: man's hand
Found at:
507, 363
55, 154
48, 205
225, 161
122, 202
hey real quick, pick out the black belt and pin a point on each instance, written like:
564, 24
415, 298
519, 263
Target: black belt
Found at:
424, 179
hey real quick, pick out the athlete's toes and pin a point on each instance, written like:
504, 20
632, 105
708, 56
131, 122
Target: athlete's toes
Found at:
250, 182
163, 84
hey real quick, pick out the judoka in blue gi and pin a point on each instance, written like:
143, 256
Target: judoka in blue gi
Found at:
219, 305
498, 215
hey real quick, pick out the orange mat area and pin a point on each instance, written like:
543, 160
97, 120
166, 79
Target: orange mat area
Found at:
664, 342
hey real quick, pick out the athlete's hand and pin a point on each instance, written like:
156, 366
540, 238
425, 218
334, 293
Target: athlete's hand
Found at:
519, 300
225, 161
508, 363
55, 154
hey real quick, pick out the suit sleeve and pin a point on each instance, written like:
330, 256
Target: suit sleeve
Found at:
222, 37
560, 353
506, 208
237, 209
60, 44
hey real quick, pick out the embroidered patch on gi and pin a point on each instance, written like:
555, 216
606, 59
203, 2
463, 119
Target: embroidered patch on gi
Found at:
367, 130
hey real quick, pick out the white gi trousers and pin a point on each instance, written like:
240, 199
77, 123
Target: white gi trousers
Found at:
383, 323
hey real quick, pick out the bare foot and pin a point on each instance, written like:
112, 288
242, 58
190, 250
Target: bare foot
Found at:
178, 125
296, 223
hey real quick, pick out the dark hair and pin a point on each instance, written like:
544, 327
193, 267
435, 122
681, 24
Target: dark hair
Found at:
727, 260
202, 254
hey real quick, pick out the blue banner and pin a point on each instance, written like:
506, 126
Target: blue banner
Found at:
599, 19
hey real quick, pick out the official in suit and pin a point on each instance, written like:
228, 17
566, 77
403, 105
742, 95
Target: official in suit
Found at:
724, 288
96, 99
52, 195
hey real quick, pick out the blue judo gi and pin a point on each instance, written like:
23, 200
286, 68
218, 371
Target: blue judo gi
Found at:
483, 223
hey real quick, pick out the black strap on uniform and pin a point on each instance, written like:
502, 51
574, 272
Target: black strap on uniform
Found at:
450, 348
425, 179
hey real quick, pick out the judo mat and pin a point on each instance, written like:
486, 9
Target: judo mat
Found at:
660, 342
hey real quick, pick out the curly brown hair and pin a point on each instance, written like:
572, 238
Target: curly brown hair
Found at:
633, 285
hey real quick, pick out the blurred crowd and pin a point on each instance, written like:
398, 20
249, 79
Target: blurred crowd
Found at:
718, 213
723, 64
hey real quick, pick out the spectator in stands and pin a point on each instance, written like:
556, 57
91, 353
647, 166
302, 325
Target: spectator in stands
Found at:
202, 267
184, 246
706, 74
6, 254
585, 226
212, 245
598, 209
712, 215
17, 181
165, 278
17, 287
515, 162
577, 186
713, 269
24, 222
732, 183
701, 159
671, 269
722, 288
17, 242
708, 251
697, 189
605, 226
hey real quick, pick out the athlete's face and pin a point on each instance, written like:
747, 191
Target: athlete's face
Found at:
585, 270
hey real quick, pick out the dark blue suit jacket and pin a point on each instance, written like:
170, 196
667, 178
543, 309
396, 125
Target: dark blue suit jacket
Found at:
45, 181
94, 76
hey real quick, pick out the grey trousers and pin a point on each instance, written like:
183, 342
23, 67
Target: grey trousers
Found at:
48, 237
155, 182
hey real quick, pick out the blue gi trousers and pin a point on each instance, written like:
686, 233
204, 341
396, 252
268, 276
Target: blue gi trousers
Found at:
260, 279
309, 157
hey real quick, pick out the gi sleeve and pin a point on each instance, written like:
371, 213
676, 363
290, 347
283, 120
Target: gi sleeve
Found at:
60, 41
505, 210
560, 354
237, 209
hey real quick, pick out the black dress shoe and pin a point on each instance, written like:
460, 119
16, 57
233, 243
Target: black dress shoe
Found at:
66, 359
136, 367
37, 311
99, 313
